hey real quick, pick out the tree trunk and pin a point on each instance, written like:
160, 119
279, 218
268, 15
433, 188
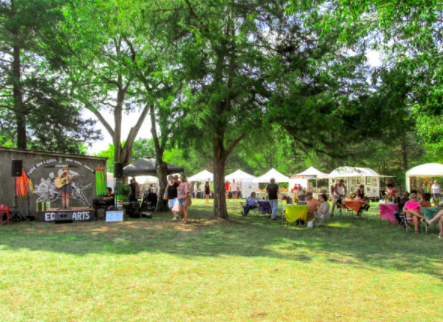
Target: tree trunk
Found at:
162, 173
220, 210
160, 165
404, 154
20, 112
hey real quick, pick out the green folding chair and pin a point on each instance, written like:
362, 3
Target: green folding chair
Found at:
429, 213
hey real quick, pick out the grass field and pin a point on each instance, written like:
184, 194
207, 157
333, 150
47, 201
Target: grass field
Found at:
248, 269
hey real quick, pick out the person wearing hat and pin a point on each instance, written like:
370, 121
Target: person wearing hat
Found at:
412, 209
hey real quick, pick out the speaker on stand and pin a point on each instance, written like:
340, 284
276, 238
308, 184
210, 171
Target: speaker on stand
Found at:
16, 172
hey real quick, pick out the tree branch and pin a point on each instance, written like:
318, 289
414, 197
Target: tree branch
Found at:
234, 143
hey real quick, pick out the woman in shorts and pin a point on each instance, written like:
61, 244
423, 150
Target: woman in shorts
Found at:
183, 192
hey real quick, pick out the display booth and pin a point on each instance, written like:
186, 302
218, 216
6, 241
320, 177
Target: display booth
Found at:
203, 176
247, 186
266, 178
421, 178
354, 177
313, 180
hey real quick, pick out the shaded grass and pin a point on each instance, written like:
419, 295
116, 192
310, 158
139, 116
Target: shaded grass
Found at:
246, 269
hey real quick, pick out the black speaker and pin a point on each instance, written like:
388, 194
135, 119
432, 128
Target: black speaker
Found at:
17, 166
118, 170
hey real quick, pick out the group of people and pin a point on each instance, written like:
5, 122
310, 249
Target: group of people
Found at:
409, 207
316, 208
234, 188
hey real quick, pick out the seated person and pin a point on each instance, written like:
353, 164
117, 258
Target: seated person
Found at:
323, 209
390, 191
404, 199
425, 200
251, 203
360, 193
302, 197
412, 209
438, 217
313, 205
107, 201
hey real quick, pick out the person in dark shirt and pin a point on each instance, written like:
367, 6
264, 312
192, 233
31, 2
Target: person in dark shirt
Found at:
172, 194
107, 201
401, 204
272, 190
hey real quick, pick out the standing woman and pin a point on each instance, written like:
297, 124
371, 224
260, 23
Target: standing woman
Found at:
66, 189
227, 185
172, 194
195, 190
183, 193
207, 191
234, 190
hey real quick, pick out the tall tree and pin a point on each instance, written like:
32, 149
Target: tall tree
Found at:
96, 52
35, 101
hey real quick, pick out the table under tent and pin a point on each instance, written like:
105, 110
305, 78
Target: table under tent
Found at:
354, 177
245, 180
422, 177
312, 179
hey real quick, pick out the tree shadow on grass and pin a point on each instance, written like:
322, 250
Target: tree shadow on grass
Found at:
363, 243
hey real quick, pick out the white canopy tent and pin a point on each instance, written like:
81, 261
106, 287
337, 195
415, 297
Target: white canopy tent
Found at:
354, 177
246, 180
266, 178
415, 177
303, 177
205, 175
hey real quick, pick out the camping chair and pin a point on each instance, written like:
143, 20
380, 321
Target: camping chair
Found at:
264, 207
318, 221
428, 213
406, 218
253, 211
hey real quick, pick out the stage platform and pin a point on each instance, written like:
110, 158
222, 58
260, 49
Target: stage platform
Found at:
67, 215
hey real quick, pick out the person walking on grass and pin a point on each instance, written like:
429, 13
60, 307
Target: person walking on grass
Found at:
272, 190
171, 189
195, 190
234, 190
183, 192
227, 186
207, 191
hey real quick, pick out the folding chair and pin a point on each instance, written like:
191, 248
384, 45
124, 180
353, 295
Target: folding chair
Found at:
264, 208
253, 211
318, 221
429, 213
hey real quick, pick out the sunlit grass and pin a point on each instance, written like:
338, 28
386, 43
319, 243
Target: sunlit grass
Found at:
249, 269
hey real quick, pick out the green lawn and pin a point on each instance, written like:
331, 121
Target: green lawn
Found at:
249, 269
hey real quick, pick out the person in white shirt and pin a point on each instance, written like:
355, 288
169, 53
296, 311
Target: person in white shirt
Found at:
234, 190
436, 190
339, 193
202, 189
195, 190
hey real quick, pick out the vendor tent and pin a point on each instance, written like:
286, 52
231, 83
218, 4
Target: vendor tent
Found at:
279, 177
146, 166
205, 175
303, 177
247, 186
416, 177
354, 177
